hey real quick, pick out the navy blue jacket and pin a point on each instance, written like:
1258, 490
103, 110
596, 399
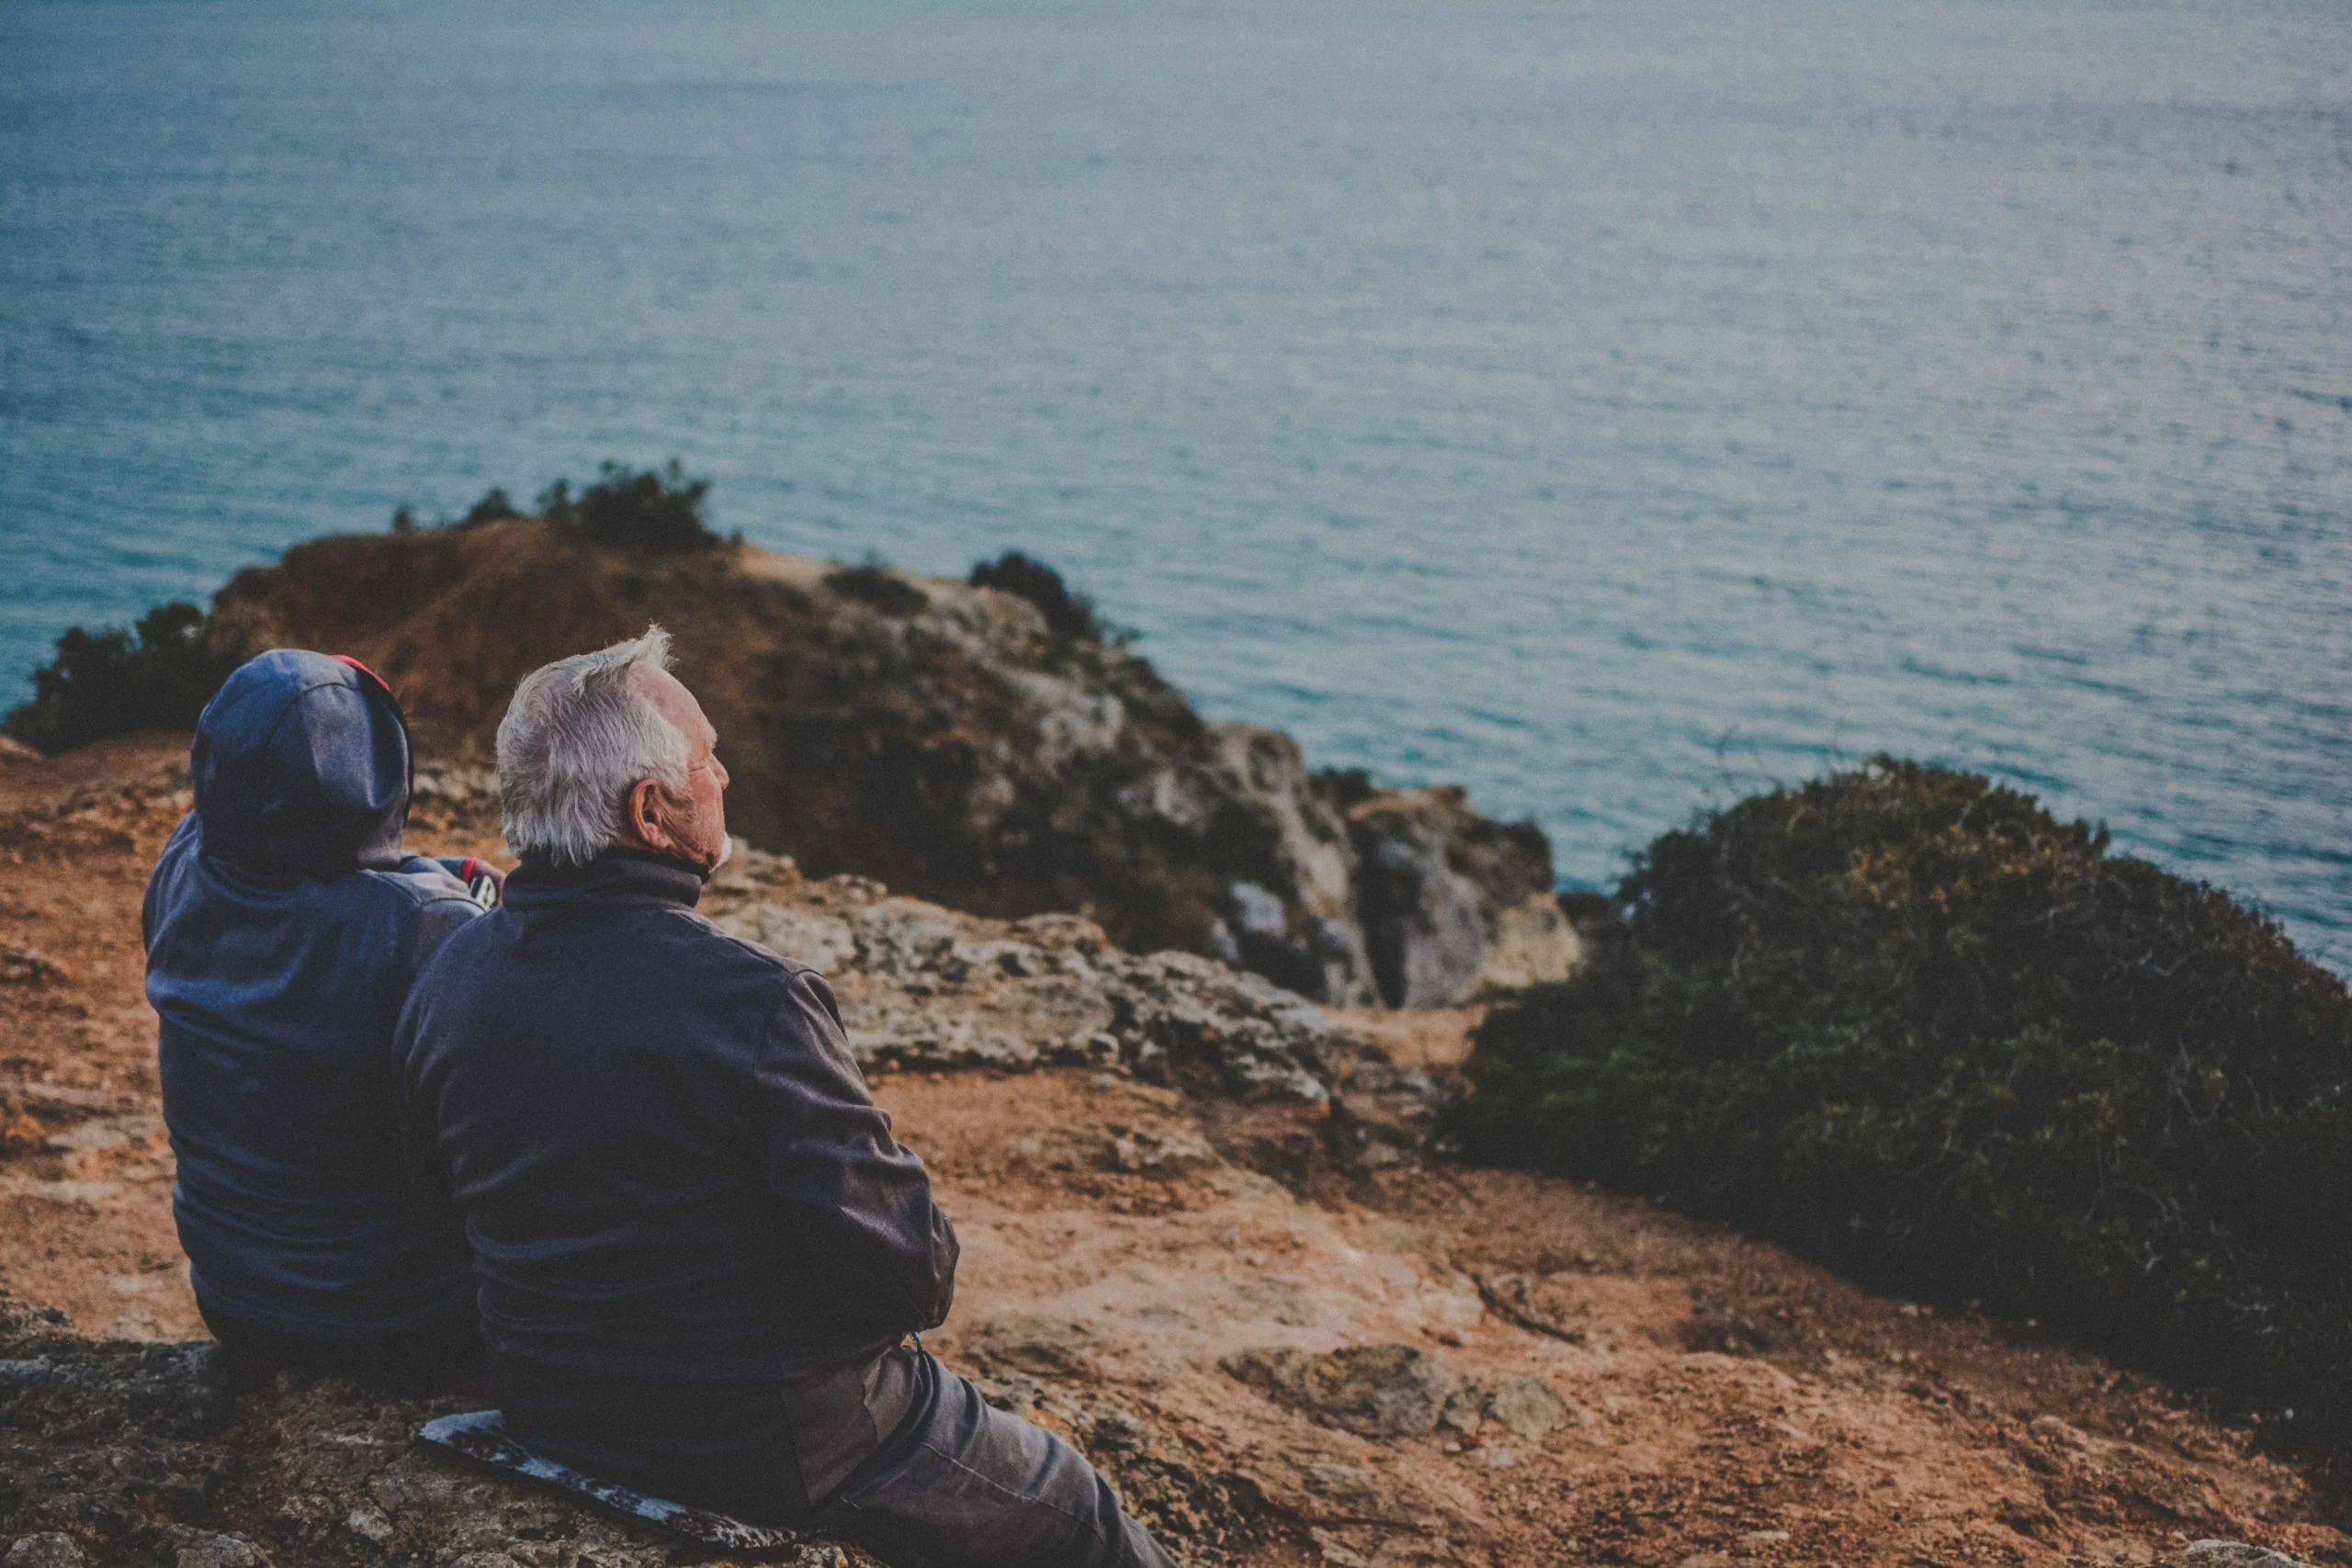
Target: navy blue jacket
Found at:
284, 929
696, 1235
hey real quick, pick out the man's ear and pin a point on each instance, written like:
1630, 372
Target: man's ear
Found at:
645, 812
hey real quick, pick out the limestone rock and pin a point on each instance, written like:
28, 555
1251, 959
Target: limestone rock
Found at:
49, 1549
1528, 1406
1451, 901
2233, 1554
209, 1549
1375, 1391
1352, 1486
1021, 1343
1142, 1151
924, 986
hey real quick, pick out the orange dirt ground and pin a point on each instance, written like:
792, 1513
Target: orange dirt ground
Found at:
1717, 1400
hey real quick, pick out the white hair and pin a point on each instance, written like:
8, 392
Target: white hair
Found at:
579, 736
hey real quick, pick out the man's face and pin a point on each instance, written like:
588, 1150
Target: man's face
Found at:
694, 828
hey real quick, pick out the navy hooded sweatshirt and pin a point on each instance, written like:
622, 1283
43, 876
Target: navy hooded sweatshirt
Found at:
284, 928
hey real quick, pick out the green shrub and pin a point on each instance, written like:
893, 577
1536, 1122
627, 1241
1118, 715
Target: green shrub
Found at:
876, 584
1070, 616
652, 511
496, 506
1907, 1021
1344, 787
157, 676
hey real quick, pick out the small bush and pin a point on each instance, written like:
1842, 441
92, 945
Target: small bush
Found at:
496, 506
876, 584
652, 511
1068, 616
157, 676
1908, 1022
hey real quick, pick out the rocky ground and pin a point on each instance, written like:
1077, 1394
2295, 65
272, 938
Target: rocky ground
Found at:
1203, 1237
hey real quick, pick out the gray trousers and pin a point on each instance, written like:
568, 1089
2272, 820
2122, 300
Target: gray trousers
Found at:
963, 1484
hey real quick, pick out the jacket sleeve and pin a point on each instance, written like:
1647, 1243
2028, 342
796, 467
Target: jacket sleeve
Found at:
862, 1200
420, 1160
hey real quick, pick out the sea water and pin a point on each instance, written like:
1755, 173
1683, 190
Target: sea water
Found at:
1614, 407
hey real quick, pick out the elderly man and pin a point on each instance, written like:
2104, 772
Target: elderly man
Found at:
701, 1251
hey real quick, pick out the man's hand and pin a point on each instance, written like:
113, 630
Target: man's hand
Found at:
484, 882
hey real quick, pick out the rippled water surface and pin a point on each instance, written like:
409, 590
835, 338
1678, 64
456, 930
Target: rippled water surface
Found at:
1610, 406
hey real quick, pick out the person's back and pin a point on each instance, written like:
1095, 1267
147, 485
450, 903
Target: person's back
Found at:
697, 1238
284, 929
700, 1248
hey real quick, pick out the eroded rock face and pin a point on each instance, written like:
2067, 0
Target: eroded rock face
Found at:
924, 986
1452, 902
943, 739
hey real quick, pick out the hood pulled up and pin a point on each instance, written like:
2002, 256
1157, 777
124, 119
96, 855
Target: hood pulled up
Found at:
301, 768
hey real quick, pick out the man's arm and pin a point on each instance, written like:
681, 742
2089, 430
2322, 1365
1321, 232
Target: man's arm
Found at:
483, 883
863, 1199
433, 924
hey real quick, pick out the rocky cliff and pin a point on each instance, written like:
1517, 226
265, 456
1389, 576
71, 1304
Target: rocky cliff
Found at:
958, 743
1205, 1237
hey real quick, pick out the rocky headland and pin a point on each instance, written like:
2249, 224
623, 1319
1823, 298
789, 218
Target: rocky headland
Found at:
965, 744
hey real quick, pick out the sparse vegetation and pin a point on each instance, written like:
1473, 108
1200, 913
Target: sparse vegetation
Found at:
155, 675
874, 584
1070, 616
493, 507
651, 512
1344, 787
1910, 1023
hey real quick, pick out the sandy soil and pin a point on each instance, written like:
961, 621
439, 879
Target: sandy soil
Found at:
1699, 1399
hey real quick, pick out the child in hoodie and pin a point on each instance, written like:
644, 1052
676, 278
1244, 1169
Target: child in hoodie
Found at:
284, 928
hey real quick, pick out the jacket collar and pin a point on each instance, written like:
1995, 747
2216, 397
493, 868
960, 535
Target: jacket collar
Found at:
616, 877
